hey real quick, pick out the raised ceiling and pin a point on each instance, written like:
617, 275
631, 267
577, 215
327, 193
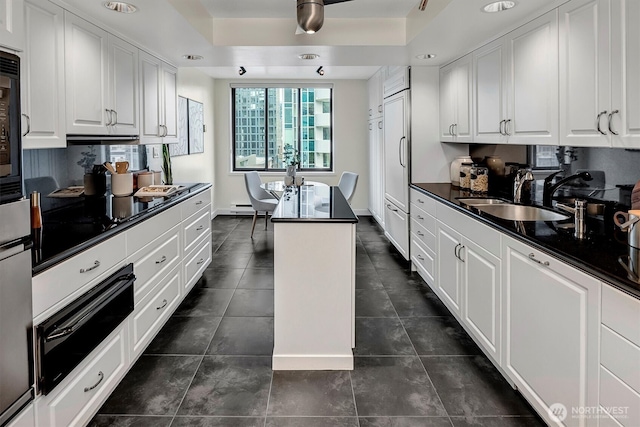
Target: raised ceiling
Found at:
358, 36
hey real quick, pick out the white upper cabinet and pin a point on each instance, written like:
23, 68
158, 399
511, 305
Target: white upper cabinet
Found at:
600, 73
374, 87
11, 24
455, 101
101, 81
489, 87
532, 82
159, 99
43, 102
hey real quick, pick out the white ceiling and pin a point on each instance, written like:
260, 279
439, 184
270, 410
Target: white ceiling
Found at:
358, 36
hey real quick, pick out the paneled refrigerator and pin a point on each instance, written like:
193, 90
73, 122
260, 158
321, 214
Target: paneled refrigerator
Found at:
397, 142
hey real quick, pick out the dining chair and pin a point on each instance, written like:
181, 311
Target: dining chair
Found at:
261, 200
347, 184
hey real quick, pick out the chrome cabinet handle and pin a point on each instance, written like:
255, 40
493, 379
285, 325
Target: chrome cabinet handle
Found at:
506, 127
115, 113
420, 233
200, 261
610, 116
164, 304
28, 124
420, 257
110, 116
370, 126
501, 125
602, 113
199, 202
420, 217
100, 378
199, 228
401, 151
450, 131
455, 129
380, 108
392, 209
379, 125
532, 257
455, 250
95, 265
163, 259
420, 201
370, 111
166, 130
460, 252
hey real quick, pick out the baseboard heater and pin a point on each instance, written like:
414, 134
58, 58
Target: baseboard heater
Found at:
241, 208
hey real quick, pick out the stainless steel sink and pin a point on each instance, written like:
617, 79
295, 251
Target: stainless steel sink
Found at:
513, 212
480, 201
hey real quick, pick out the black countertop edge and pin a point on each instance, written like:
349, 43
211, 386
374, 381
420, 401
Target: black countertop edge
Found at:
339, 209
601, 261
168, 203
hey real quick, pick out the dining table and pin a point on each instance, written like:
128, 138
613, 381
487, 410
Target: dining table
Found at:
276, 188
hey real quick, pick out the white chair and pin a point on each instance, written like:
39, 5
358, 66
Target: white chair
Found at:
261, 200
347, 184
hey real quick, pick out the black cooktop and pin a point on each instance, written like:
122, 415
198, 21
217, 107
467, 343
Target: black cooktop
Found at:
80, 222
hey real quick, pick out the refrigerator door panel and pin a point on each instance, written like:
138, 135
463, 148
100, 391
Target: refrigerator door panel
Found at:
396, 150
397, 227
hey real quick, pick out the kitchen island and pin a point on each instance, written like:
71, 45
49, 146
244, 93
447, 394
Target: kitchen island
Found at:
314, 272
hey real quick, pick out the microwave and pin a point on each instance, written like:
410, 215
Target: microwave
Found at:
10, 136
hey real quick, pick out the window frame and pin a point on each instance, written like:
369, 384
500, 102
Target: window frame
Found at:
267, 118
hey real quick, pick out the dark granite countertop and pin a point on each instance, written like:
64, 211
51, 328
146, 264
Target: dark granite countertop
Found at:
599, 255
313, 203
85, 221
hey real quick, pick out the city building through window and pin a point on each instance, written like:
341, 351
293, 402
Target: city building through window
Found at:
267, 120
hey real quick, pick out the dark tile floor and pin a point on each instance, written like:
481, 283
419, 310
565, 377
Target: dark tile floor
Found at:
211, 366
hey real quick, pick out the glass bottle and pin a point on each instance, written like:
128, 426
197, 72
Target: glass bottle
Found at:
479, 179
36, 224
465, 175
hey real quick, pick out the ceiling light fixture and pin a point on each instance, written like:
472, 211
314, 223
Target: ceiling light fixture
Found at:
308, 56
241, 71
499, 6
423, 4
118, 6
310, 14
320, 71
193, 57
426, 56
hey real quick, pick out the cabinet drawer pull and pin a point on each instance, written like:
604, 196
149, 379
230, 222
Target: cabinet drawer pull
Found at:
501, 124
200, 228
420, 257
532, 257
100, 378
110, 116
200, 261
164, 304
379, 125
199, 202
610, 116
506, 127
420, 201
391, 209
95, 265
460, 252
163, 259
115, 121
420, 233
420, 217
455, 250
602, 113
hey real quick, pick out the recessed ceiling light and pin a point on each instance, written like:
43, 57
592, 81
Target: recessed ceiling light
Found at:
193, 57
499, 6
118, 6
308, 56
426, 56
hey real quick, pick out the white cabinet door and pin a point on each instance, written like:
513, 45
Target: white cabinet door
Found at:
585, 76
159, 101
481, 286
170, 103
455, 101
489, 93
447, 115
86, 71
551, 324
532, 80
43, 87
374, 88
625, 73
123, 78
376, 187
448, 268
396, 149
11, 24
396, 228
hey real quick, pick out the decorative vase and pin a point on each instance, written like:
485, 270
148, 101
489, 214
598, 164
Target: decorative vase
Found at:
454, 170
291, 171
495, 165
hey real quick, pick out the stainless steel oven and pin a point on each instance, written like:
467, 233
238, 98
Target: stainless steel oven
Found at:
16, 328
68, 336
10, 136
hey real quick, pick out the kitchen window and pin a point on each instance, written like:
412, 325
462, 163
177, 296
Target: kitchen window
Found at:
271, 120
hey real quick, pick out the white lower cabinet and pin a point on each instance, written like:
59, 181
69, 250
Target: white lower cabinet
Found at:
26, 417
396, 223
196, 262
449, 268
80, 395
551, 325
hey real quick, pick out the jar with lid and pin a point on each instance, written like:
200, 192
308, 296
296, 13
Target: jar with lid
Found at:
479, 179
454, 170
465, 175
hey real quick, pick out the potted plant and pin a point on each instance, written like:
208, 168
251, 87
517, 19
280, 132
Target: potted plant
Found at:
291, 159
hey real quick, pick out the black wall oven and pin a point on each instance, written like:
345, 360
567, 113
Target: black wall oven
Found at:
68, 336
10, 136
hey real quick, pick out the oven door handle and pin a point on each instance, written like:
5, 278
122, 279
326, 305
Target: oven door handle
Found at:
84, 315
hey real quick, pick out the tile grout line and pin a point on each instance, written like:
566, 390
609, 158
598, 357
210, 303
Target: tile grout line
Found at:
266, 410
187, 389
353, 395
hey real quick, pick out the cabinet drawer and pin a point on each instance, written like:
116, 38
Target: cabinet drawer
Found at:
425, 261
426, 237
621, 357
71, 278
427, 221
621, 313
77, 398
195, 263
152, 311
470, 228
154, 261
195, 203
622, 402
147, 231
397, 228
199, 226
423, 202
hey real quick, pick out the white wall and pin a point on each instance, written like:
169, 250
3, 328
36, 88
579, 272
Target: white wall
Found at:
350, 134
198, 86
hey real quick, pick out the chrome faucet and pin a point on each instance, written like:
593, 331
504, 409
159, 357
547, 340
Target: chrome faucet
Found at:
549, 189
522, 176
